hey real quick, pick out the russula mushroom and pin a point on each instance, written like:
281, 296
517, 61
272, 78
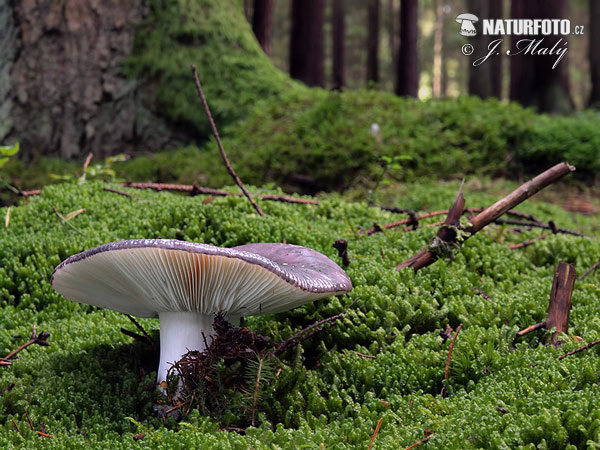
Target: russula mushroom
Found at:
466, 21
185, 284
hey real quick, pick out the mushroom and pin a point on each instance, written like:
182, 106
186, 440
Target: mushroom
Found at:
466, 24
186, 284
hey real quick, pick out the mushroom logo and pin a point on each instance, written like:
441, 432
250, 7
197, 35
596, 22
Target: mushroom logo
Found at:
466, 24
185, 284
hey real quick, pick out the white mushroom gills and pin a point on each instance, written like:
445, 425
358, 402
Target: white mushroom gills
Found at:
185, 284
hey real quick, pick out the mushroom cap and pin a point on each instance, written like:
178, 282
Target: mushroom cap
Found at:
145, 277
467, 16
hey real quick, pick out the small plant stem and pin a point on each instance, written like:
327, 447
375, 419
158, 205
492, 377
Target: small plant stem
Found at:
220, 145
141, 328
590, 270
42, 339
531, 328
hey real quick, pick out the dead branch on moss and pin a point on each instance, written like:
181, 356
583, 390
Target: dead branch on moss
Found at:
580, 349
426, 256
39, 339
529, 242
215, 132
375, 433
590, 270
422, 441
531, 328
123, 193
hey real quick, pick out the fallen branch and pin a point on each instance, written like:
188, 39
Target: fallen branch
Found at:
531, 328
580, 349
41, 339
422, 441
195, 189
141, 328
220, 145
529, 242
590, 270
116, 191
426, 256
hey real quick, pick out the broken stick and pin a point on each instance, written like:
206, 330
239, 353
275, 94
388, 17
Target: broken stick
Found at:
426, 256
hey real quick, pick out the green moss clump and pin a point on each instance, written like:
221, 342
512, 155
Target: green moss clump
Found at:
90, 386
216, 37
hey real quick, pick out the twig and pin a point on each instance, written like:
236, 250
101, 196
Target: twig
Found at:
220, 145
29, 420
30, 193
447, 371
422, 441
426, 257
87, 161
137, 337
342, 247
377, 427
529, 242
16, 426
580, 349
116, 191
141, 328
590, 270
531, 328
41, 433
7, 218
297, 336
41, 339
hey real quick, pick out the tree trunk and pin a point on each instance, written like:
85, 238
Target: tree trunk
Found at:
393, 36
480, 77
438, 49
373, 41
407, 83
495, 12
338, 29
261, 23
306, 42
534, 81
594, 53
62, 90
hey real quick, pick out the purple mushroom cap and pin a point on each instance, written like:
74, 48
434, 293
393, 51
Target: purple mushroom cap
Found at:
145, 277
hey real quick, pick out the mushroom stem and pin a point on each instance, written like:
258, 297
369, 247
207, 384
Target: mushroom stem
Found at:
181, 332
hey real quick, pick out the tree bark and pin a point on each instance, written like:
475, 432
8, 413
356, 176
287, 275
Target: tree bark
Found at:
438, 49
594, 53
373, 41
62, 90
407, 83
306, 42
480, 77
338, 30
495, 8
262, 17
534, 81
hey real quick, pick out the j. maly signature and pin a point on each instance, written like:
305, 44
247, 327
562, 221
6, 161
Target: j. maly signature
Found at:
533, 47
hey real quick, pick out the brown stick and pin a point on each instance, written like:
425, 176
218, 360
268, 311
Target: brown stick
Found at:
195, 189
30, 193
29, 420
41, 339
529, 242
488, 215
377, 427
422, 441
580, 349
590, 270
220, 145
116, 191
87, 161
531, 328
559, 306
447, 370
141, 328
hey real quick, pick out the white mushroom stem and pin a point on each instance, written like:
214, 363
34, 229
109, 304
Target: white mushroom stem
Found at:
181, 332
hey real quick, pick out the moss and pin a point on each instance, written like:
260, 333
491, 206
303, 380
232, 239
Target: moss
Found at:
92, 378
